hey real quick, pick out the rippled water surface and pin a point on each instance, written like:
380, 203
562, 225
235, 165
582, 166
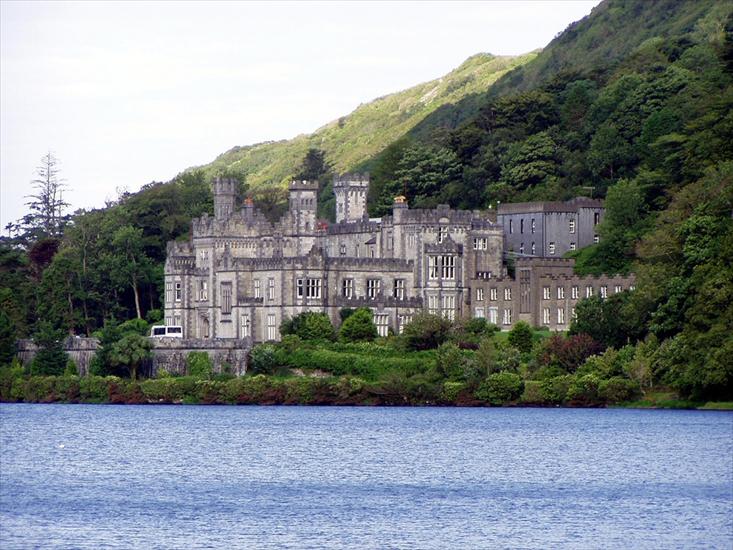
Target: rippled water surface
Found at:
92, 476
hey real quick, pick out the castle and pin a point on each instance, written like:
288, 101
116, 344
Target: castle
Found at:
239, 275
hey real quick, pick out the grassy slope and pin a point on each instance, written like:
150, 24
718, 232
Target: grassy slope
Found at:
354, 138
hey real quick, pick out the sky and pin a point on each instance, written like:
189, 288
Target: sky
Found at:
128, 93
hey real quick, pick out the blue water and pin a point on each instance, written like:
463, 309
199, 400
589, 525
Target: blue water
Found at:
91, 476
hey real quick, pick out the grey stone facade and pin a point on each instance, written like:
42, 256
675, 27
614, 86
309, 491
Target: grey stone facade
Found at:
544, 293
550, 229
239, 275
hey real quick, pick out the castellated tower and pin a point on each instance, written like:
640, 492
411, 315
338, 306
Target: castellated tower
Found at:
225, 191
303, 204
351, 196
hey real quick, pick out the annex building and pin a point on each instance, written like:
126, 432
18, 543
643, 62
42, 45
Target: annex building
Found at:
239, 275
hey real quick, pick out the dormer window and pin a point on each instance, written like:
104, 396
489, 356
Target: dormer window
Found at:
442, 233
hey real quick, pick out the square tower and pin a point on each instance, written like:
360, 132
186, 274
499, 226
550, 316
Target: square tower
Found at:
225, 192
303, 204
351, 196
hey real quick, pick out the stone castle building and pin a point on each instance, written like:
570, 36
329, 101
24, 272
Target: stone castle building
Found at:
239, 275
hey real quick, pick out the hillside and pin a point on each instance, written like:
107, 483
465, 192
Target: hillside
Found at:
354, 138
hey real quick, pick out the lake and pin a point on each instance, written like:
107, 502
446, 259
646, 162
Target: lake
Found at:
93, 476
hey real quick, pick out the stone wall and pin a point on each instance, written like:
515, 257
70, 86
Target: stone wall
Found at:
80, 350
167, 353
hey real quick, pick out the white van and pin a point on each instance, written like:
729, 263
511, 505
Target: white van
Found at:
161, 331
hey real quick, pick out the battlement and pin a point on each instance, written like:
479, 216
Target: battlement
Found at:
571, 205
351, 180
304, 185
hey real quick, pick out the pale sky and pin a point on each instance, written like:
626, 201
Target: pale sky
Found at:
128, 93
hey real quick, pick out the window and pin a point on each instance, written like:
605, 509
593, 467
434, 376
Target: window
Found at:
596, 218
588, 291
271, 327
596, 239
382, 322
571, 225
632, 287
271, 288
226, 298
177, 320
480, 243
402, 321
572, 313
493, 315
521, 248
347, 288
312, 288
545, 292
179, 292
449, 307
203, 290
204, 256
560, 316
521, 226
546, 316
399, 289
534, 249
442, 233
574, 292
552, 248
448, 267
561, 293
507, 294
493, 294
258, 290
479, 294
511, 227
168, 292
478, 313
432, 267
372, 288
168, 322
572, 246
604, 291
433, 304
507, 316
533, 225
245, 326
411, 240
617, 289
342, 250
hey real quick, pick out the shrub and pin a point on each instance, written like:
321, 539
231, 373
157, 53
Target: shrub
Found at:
618, 390
198, 365
568, 353
309, 325
93, 389
358, 326
67, 388
555, 390
520, 337
71, 369
584, 389
449, 362
263, 359
451, 390
426, 331
134, 326
500, 388
532, 394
